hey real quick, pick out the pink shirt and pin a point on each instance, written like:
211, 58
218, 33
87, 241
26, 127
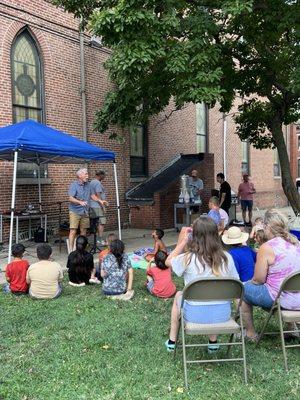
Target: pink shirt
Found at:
287, 261
163, 284
246, 190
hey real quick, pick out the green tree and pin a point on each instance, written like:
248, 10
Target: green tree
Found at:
202, 50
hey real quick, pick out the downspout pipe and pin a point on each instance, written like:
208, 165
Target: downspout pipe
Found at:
225, 145
82, 80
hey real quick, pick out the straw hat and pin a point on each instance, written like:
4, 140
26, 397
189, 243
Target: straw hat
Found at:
234, 236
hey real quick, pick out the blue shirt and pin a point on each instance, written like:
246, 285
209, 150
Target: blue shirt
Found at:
215, 216
81, 191
244, 259
97, 188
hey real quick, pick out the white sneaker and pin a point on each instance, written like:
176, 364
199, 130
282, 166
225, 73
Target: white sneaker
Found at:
95, 280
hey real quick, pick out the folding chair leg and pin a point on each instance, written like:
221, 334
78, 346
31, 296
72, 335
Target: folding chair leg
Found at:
184, 354
282, 339
229, 346
244, 350
264, 327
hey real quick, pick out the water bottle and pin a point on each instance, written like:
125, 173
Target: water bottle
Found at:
181, 198
186, 197
192, 198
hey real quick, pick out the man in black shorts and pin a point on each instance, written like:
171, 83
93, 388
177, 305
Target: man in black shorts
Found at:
225, 192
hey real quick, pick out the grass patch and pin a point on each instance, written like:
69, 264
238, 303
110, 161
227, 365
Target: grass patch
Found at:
83, 346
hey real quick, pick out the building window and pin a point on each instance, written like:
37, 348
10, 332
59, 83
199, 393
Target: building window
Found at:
298, 136
245, 157
276, 165
138, 152
27, 90
201, 127
298, 169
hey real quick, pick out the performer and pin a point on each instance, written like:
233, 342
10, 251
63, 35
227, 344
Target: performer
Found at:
79, 197
98, 204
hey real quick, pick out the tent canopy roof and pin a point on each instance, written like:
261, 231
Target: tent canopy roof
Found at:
38, 143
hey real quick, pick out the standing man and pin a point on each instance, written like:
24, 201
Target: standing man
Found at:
225, 192
79, 197
98, 204
245, 193
196, 186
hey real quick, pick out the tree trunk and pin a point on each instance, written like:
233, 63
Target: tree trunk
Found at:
288, 185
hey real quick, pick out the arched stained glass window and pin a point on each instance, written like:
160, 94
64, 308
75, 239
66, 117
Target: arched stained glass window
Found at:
27, 90
26, 79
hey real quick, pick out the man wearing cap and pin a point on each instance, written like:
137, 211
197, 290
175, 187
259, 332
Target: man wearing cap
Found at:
245, 193
98, 203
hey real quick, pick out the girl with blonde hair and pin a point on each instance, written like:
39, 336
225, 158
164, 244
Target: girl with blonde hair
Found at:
199, 254
276, 259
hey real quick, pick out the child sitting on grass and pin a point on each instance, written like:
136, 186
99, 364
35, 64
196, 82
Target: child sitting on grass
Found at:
116, 270
16, 272
258, 225
159, 245
159, 278
214, 213
109, 238
81, 264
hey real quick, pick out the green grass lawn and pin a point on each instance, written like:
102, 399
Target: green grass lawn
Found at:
84, 346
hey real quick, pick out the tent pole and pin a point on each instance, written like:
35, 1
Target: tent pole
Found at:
13, 198
118, 200
40, 188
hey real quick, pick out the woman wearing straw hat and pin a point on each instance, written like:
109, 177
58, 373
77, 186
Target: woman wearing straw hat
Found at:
244, 257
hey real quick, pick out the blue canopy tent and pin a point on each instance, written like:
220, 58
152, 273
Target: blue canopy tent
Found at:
32, 142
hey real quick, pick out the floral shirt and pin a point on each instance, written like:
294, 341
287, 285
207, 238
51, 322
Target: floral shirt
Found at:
115, 280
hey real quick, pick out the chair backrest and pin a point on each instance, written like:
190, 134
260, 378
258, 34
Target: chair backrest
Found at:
209, 289
291, 283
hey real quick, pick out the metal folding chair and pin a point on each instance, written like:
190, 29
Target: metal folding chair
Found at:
213, 289
290, 284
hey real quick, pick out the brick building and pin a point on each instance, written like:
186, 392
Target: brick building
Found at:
42, 76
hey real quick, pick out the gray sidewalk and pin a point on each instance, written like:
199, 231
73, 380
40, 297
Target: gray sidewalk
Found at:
133, 238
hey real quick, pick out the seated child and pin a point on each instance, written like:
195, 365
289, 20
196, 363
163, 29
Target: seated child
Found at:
243, 256
81, 264
260, 238
44, 277
159, 277
214, 212
116, 270
109, 238
159, 245
16, 271
258, 225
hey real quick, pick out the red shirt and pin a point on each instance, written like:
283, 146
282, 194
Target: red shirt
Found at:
16, 273
163, 284
246, 190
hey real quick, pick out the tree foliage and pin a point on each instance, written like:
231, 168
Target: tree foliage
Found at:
201, 51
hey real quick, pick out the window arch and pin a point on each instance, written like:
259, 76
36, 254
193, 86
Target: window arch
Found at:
27, 91
27, 88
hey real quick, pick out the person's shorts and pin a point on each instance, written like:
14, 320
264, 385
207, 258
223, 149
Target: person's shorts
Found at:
150, 285
79, 220
246, 204
98, 213
257, 295
205, 314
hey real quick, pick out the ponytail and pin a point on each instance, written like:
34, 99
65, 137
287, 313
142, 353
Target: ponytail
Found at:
117, 249
81, 243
